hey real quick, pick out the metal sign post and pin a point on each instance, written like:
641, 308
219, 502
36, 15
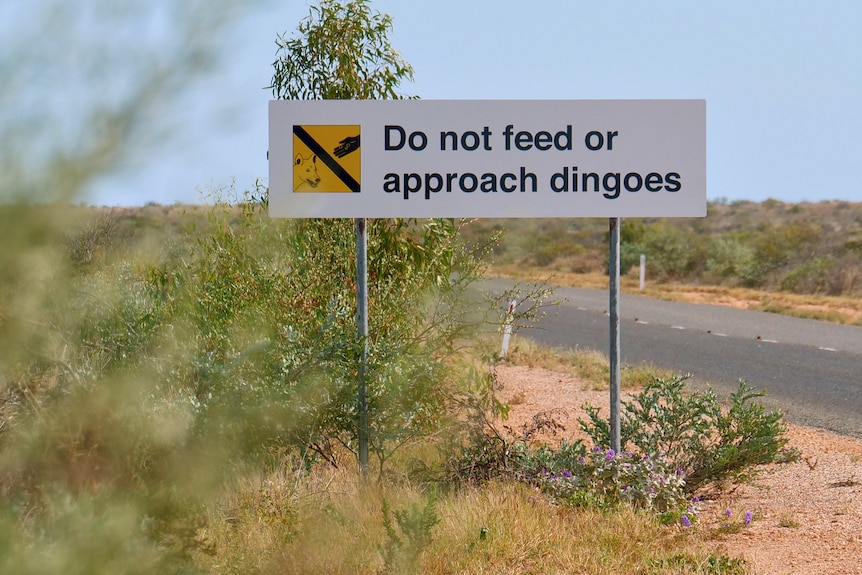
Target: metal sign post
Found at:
362, 322
614, 313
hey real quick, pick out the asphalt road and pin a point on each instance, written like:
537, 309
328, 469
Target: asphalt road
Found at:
811, 370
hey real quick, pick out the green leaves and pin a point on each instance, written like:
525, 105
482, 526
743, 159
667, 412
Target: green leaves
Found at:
266, 313
341, 52
405, 544
693, 433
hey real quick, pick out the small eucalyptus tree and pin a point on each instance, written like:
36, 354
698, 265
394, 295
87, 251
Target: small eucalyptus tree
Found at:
342, 51
420, 271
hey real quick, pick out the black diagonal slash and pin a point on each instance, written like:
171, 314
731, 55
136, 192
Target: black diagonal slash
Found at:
324, 156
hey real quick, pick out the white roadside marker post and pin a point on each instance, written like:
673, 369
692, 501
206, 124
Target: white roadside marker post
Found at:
643, 272
507, 328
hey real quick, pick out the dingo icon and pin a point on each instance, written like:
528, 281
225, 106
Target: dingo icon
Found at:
305, 172
327, 158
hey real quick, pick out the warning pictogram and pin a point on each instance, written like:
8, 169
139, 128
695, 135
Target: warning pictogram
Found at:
326, 158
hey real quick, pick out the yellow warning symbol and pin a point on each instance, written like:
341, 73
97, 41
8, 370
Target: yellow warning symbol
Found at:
326, 158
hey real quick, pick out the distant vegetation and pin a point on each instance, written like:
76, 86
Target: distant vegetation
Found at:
806, 248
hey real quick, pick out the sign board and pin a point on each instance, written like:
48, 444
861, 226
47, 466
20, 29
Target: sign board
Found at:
487, 158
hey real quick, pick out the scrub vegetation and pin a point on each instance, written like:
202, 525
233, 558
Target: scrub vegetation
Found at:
799, 259
179, 396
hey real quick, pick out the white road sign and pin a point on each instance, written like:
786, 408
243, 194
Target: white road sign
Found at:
487, 158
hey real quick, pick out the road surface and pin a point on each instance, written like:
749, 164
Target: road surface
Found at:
811, 370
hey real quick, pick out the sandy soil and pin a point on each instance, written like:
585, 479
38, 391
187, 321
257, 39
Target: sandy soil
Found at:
806, 516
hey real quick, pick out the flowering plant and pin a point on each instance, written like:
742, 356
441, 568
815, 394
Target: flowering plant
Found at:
710, 444
608, 478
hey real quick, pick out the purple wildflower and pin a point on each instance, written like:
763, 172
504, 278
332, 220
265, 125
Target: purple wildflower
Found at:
567, 474
748, 517
686, 522
581, 459
729, 512
610, 455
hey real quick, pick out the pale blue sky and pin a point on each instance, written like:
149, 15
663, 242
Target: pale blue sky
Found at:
782, 81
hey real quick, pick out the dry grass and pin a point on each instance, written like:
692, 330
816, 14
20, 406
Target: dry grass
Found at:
509, 528
588, 365
500, 527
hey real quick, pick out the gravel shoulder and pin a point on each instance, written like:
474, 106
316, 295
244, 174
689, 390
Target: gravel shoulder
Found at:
806, 516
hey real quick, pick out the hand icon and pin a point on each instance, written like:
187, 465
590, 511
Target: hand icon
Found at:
347, 145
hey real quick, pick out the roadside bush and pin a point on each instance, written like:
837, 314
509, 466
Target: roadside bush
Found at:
775, 247
546, 253
630, 256
846, 276
671, 253
726, 258
710, 446
631, 244
268, 316
149, 379
570, 473
823, 275
810, 277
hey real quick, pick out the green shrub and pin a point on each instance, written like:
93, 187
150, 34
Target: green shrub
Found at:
726, 258
405, 543
671, 253
811, 277
268, 310
630, 256
692, 432
571, 474
776, 246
